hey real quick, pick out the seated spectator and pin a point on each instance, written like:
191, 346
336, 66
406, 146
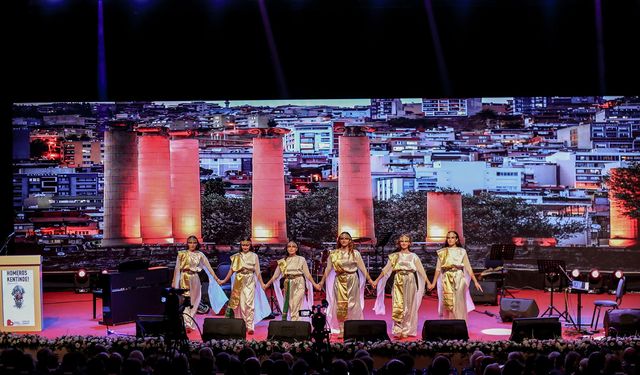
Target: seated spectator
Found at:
441, 365
251, 366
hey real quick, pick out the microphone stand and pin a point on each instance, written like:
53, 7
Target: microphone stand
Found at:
576, 324
6, 243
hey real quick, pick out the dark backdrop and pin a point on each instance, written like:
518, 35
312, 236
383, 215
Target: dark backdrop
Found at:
218, 49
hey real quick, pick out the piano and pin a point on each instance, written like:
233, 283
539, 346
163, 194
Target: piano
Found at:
127, 294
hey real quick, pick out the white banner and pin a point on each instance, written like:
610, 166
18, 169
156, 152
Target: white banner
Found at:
18, 298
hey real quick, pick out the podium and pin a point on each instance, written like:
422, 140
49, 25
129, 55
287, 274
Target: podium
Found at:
21, 292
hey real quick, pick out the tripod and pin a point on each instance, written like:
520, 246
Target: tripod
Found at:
551, 269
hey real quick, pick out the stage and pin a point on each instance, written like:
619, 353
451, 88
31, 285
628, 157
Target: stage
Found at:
70, 313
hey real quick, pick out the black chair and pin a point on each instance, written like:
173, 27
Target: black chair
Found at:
221, 271
610, 305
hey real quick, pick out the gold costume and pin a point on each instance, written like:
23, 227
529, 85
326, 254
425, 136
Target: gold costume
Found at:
244, 266
297, 294
346, 295
406, 294
453, 283
185, 276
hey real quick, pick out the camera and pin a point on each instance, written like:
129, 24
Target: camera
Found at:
318, 317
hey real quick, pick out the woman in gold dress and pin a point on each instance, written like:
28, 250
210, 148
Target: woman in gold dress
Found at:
408, 288
453, 273
298, 285
185, 276
345, 276
246, 301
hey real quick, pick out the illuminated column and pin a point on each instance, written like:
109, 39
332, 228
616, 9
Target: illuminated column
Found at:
155, 186
444, 213
121, 205
268, 213
185, 186
623, 229
355, 199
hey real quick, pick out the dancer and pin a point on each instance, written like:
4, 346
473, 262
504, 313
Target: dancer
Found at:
246, 301
345, 275
185, 276
298, 285
408, 288
453, 273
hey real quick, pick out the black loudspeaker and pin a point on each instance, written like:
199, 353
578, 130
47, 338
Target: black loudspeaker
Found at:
622, 322
535, 328
489, 295
151, 326
447, 329
512, 308
223, 328
365, 330
133, 265
288, 331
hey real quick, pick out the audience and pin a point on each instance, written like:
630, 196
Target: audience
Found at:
99, 361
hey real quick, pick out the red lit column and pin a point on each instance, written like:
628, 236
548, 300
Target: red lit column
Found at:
623, 229
155, 186
268, 213
355, 198
121, 204
185, 186
444, 213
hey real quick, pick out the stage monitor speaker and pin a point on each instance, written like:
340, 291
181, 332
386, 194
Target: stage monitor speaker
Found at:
447, 329
365, 330
223, 328
512, 308
289, 331
535, 328
489, 295
150, 325
622, 322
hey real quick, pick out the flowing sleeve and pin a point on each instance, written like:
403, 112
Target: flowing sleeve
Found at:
379, 307
276, 286
362, 277
421, 281
217, 297
332, 318
469, 301
175, 283
261, 303
307, 302
439, 285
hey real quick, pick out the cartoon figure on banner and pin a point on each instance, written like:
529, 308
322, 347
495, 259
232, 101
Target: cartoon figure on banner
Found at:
18, 295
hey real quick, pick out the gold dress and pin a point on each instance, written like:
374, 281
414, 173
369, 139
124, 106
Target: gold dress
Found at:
406, 294
345, 287
185, 276
453, 284
297, 293
248, 302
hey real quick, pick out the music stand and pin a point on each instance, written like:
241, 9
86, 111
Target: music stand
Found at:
551, 268
502, 252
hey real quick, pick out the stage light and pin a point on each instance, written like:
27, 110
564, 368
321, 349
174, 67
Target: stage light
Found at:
575, 273
81, 281
594, 276
619, 274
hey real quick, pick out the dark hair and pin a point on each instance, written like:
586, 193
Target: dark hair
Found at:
458, 243
194, 238
286, 248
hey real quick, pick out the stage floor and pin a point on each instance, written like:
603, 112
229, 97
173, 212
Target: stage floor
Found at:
68, 313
